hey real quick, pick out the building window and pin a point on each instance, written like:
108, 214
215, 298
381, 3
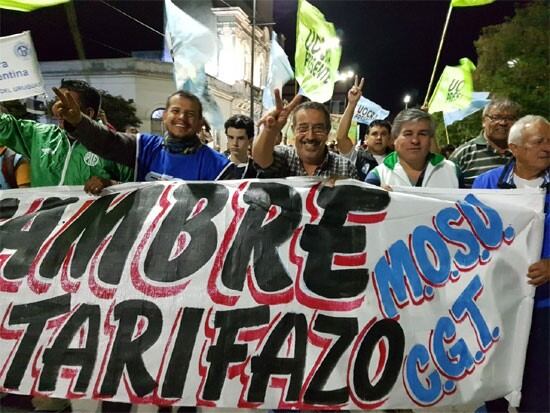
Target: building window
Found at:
157, 126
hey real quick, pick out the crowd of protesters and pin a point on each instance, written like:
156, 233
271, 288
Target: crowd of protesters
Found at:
509, 152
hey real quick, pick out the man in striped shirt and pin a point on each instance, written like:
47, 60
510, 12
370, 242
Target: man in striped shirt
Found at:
490, 148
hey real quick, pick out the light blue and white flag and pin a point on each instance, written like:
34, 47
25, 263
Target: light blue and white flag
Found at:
279, 73
192, 45
366, 111
479, 101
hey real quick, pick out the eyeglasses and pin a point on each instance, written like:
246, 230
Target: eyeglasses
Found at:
496, 119
318, 130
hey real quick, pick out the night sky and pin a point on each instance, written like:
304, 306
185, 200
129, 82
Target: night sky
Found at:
392, 43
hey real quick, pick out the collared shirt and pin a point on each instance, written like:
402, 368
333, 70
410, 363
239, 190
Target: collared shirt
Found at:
438, 173
286, 162
476, 157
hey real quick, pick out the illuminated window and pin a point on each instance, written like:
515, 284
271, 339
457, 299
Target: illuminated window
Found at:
157, 126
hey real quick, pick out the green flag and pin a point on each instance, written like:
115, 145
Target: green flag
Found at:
470, 3
29, 5
454, 89
318, 53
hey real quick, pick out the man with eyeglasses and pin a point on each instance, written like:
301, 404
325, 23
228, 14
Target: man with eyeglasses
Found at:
310, 155
529, 141
490, 148
180, 154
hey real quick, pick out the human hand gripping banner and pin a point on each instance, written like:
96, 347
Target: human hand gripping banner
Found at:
266, 294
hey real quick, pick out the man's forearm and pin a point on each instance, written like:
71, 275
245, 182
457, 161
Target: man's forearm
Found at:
345, 144
262, 150
114, 146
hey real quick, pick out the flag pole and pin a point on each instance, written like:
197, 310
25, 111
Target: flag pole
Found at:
446, 133
252, 59
438, 52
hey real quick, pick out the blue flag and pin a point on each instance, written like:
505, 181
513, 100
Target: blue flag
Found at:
366, 111
279, 73
192, 45
479, 101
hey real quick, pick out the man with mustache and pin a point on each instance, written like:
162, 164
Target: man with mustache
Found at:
490, 148
310, 156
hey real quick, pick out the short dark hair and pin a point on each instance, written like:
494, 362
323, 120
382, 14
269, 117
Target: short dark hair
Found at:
380, 123
186, 95
240, 122
312, 106
89, 96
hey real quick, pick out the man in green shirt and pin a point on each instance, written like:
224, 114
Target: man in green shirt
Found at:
56, 158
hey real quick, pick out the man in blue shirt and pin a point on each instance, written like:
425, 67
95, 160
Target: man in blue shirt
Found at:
178, 155
529, 141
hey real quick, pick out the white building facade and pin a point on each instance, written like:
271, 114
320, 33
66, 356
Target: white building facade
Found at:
147, 83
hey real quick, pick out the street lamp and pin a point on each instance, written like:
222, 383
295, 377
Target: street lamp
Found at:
406, 101
344, 76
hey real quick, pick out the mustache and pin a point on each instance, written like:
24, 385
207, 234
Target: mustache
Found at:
310, 140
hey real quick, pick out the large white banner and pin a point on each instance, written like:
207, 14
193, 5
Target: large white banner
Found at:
267, 294
20, 75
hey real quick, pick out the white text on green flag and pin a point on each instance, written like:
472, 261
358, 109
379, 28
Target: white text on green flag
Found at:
20, 75
279, 73
454, 89
318, 53
366, 111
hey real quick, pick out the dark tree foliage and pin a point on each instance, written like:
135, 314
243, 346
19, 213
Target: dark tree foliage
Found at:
513, 62
514, 58
17, 109
120, 112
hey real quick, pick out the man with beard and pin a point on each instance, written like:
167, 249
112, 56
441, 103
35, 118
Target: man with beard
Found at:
178, 155
490, 148
310, 155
